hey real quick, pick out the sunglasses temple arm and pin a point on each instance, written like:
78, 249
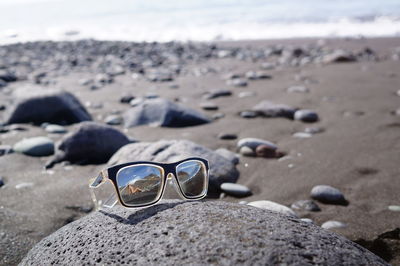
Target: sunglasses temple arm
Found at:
95, 183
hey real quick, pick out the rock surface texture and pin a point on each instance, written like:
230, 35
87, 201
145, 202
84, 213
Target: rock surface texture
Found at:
163, 113
90, 142
39, 106
221, 169
194, 233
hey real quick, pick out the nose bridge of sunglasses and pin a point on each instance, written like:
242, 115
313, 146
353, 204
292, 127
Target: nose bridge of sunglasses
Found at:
170, 176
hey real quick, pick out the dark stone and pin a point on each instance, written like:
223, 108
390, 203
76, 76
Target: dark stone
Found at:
89, 143
2, 183
126, 98
227, 136
248, 114
269, 109
194, 233
221, 169
40, 106
217, 94
7, 76
164, 113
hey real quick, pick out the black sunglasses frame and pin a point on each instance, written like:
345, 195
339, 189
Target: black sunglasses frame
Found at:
169, 168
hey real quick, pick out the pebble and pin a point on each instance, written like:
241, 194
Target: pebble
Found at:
272, 206
209, 106
327, 194
297, 89
302, 135
245, 94
23, 185
36, 146
253, 143
266, 151
394, 208
217, 94
254, 75
333, 224
242, 202
218, 116
246, 151
248, 114
113, 120
2, 183
136, 102
126, 98
235, 190
227, 136
56, 129
237, 82
306, 116
151, 95
314, 130
306, 205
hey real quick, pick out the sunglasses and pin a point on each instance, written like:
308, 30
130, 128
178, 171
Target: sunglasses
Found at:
141, 184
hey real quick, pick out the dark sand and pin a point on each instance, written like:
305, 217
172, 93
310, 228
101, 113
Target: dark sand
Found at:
358, 154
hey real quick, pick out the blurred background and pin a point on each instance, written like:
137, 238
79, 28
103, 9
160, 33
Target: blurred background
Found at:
153, 20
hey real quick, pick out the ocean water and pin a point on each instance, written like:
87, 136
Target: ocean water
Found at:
195, 20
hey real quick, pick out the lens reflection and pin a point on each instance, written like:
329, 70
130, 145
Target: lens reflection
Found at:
192, 178
139, 184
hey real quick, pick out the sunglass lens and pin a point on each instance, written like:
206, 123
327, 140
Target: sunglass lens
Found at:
140, 185
192, 178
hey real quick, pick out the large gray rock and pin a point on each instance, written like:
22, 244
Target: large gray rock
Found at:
221, 169
163, 113
37, 106
195, 233
269, 109
89, 142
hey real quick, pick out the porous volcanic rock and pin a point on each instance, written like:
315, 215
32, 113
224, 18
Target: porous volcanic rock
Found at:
195, 233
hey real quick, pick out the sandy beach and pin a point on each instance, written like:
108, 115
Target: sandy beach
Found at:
357, 150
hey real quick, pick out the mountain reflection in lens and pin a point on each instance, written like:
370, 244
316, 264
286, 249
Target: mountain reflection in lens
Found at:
191, 177
139, 184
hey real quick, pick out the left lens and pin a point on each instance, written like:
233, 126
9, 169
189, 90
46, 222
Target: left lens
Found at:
192, 178
140, 185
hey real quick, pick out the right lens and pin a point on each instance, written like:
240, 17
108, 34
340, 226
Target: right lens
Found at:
192, 178
140, 184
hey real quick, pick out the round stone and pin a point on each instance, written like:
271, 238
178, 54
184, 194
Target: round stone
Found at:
126, 98
247, 151
307, 220
266, 151
245, 94
273, 206
253, 143
209, 106
248, 114
394, 208
306, 205
333, 224
235, 190
306, 116
327, 194
302, 135
2, 183
55, 129
36, 146
227, 136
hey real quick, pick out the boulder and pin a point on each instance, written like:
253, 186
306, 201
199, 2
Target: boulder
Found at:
222, 169
164, 113
38, 106
270, 109
35, 146
195, 233
89, 143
